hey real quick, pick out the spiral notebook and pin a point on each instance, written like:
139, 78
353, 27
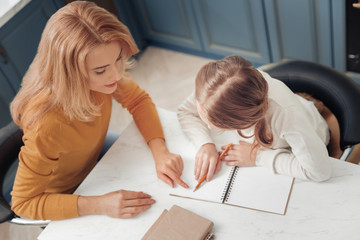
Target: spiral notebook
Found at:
249, 187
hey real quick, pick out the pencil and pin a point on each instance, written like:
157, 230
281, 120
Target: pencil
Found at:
218, 160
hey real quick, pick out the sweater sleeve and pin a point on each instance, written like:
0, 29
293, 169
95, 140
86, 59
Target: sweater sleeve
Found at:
38, 161
141, 107
305, 158
191, 123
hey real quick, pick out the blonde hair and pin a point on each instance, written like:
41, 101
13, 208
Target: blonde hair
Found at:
57, 77
234, 95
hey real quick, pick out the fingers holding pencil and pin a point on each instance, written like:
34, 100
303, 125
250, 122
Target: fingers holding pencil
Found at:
205, 158
217, 163
214, 167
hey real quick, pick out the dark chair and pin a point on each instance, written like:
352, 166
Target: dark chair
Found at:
337, 91
10, 144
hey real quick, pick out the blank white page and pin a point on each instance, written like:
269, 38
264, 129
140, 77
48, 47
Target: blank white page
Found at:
259, 188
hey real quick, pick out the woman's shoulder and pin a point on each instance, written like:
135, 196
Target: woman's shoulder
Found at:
50, 124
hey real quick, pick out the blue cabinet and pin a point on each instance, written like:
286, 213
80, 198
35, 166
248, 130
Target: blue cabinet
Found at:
300, 30
19, 39
210, 28
230, 27
170, 23
262, 31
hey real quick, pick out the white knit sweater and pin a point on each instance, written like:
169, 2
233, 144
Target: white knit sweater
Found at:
300, 134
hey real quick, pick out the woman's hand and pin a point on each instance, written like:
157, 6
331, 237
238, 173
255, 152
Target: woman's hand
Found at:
205, 161
169, 166
243, 154
118, 204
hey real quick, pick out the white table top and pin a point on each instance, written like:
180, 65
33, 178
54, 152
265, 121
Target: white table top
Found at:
327, 210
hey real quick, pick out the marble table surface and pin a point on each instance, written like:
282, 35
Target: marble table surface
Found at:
8, 8
327, 210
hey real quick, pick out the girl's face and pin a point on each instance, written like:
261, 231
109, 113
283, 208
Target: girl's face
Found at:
105, 66
202, 114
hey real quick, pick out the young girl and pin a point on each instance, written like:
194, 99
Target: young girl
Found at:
64, 108
289, 134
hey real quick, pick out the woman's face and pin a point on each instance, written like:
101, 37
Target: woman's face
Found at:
105, 66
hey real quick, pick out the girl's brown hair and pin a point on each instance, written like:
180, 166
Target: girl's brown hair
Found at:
234, 95
57, 77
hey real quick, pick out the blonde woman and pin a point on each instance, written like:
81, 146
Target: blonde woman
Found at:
287, 134
64, 108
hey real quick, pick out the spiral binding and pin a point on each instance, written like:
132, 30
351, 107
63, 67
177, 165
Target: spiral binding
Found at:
209, 236
229, 184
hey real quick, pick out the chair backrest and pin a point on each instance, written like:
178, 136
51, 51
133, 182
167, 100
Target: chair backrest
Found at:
10, 144
337, 91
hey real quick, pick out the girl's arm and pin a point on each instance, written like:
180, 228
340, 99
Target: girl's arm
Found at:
300, 147
308, 158
191, 123
197, 131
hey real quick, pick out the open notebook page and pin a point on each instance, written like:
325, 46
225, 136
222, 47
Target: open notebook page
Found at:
258, 188
253, 187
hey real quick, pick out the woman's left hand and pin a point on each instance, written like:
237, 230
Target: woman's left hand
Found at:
169, 166
242, 154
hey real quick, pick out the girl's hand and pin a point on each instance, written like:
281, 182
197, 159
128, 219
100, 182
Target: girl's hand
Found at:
169, 166
118, 204
205, 161
243, 155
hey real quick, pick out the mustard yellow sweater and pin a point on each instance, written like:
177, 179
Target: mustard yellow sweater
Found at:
57, 157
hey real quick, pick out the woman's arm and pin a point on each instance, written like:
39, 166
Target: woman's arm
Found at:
34, 195
42, 188
169, 166
118, 204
